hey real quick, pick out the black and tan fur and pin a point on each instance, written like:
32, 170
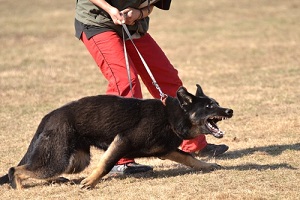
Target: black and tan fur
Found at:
123, 127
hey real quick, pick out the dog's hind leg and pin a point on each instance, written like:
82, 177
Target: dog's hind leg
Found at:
188, 160
79, 160
17, 174
115, 151
49, 158
47, 171
10, 176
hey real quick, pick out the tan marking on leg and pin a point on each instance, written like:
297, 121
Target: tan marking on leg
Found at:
20, 173
190, 161
92, 180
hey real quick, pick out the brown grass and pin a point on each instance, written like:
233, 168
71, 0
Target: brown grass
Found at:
246, 54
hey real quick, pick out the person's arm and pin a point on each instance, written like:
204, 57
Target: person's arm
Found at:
133, 14
114, 13
147, 10
128, 15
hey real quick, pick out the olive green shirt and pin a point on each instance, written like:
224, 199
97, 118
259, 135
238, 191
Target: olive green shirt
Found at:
93, 20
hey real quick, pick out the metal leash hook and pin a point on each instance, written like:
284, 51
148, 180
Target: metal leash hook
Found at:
163, 96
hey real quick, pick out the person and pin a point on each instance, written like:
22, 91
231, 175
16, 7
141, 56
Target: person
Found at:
98, 26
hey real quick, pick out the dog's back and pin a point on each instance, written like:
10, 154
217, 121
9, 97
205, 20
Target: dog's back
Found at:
97, 120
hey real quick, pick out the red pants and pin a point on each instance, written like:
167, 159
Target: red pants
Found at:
108, 52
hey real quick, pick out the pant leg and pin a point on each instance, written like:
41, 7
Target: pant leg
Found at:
108, 52
193, 145
165, 75
163, 71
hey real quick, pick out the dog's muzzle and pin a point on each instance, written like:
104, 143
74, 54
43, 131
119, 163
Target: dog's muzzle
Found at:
211, 123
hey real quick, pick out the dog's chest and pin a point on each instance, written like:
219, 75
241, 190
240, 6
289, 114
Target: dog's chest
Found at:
163, 144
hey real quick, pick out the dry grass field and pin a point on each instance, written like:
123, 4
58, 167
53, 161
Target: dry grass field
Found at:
245, 54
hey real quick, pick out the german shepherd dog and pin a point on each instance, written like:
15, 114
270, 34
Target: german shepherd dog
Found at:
123, 127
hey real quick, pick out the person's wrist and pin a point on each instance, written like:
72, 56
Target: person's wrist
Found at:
141, 16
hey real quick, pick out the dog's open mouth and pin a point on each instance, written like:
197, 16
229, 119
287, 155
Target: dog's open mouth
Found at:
211, 124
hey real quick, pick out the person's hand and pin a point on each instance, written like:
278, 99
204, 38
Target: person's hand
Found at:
117, 17
131, 15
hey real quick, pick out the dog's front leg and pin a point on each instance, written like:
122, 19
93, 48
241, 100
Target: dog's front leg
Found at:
106, 163
188, 160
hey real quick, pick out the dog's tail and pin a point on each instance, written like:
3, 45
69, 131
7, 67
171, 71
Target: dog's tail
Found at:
4, 179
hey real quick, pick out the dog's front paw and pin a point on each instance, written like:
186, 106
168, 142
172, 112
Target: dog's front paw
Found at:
88, 183
211, 167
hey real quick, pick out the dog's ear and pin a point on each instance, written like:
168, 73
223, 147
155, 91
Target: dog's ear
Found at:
184, 97
199, 92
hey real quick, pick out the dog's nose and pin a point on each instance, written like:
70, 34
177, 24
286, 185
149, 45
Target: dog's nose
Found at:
229, 111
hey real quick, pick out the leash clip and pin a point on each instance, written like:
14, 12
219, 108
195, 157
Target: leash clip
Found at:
161, 94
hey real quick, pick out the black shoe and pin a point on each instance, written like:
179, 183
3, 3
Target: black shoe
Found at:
213, 150
130, 168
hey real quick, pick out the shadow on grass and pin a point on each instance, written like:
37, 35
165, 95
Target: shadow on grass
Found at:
272, 150
178, 169
252, 166
182, 170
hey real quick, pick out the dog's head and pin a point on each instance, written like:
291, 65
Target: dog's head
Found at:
204, 112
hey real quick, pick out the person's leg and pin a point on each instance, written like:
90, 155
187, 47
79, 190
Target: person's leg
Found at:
167, 78
194, 145
163, 71
108, 52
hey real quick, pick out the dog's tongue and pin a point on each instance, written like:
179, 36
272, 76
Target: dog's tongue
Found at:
219, 134
215, 130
